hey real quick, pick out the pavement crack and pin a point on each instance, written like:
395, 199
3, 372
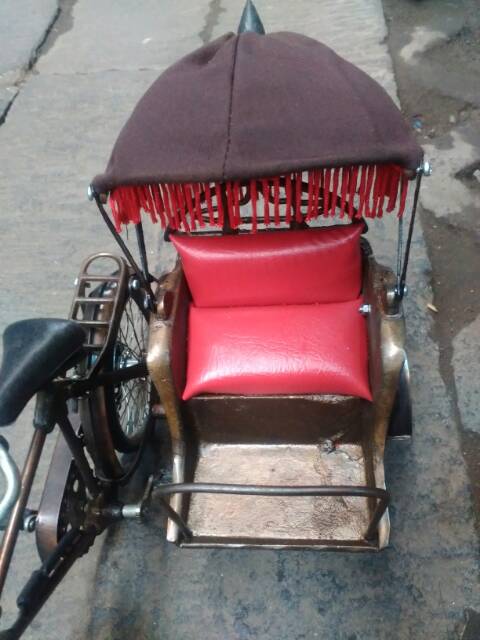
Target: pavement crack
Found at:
211, 20
7, 107
38, 50
57, 25
62, 24
71, 74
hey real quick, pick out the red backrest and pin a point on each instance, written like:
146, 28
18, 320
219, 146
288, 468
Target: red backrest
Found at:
275, 267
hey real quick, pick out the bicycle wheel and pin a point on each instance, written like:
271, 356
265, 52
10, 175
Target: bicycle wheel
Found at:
116, 416
128, 404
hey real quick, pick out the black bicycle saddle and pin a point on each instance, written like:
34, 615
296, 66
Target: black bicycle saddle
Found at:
34, 352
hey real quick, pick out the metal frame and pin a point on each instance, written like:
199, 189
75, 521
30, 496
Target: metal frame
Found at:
101, 509
57, 546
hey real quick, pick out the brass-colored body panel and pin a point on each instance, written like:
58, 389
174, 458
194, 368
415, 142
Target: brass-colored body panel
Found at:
291, 419
278, 440
166, 327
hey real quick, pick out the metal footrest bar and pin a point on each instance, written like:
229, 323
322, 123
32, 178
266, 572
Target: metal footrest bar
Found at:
380, 495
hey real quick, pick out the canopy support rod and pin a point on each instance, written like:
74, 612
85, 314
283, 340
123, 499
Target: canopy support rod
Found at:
402, 275
399, 252
142, 250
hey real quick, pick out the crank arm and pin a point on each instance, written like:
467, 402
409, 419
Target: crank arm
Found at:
43, 582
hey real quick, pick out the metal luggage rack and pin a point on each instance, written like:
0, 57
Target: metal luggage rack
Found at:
95, 305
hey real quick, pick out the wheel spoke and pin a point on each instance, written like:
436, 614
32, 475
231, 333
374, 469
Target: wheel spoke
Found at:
132, 326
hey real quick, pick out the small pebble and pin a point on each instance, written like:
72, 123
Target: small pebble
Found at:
417, 123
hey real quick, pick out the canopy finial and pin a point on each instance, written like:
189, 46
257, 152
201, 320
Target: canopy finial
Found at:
250, 20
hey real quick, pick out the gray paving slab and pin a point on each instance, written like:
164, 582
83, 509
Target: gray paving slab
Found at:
7, 95
452, 189
438, 44
356, 30
466, 367
23, 26
107, 35
53, 141
56, 137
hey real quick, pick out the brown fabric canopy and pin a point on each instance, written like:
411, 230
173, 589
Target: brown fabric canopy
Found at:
251, 105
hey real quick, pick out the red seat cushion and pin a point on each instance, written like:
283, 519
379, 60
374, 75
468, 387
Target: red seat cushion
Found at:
278, 350
270, 268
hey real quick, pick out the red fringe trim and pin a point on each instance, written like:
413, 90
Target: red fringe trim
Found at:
276, 200
345, 185
266, 198
316, 191
236, 204
288, 199
326, 192
253, 199
368, 191
231, 210
333, 205
208, 200
298, 197
220, 213
352, 189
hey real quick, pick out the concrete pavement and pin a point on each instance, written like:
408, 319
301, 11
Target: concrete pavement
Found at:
98, 60
438, 85
21, 37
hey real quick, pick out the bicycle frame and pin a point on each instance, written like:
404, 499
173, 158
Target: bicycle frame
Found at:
51, 409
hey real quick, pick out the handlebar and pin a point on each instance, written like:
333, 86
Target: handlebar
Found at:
10, 472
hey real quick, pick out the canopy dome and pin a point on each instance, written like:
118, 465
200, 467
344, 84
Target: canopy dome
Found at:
252, 105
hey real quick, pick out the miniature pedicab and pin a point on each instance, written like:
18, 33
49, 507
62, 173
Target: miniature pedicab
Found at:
273, 350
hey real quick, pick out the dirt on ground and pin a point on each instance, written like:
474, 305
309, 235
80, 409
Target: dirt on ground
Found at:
436, 54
